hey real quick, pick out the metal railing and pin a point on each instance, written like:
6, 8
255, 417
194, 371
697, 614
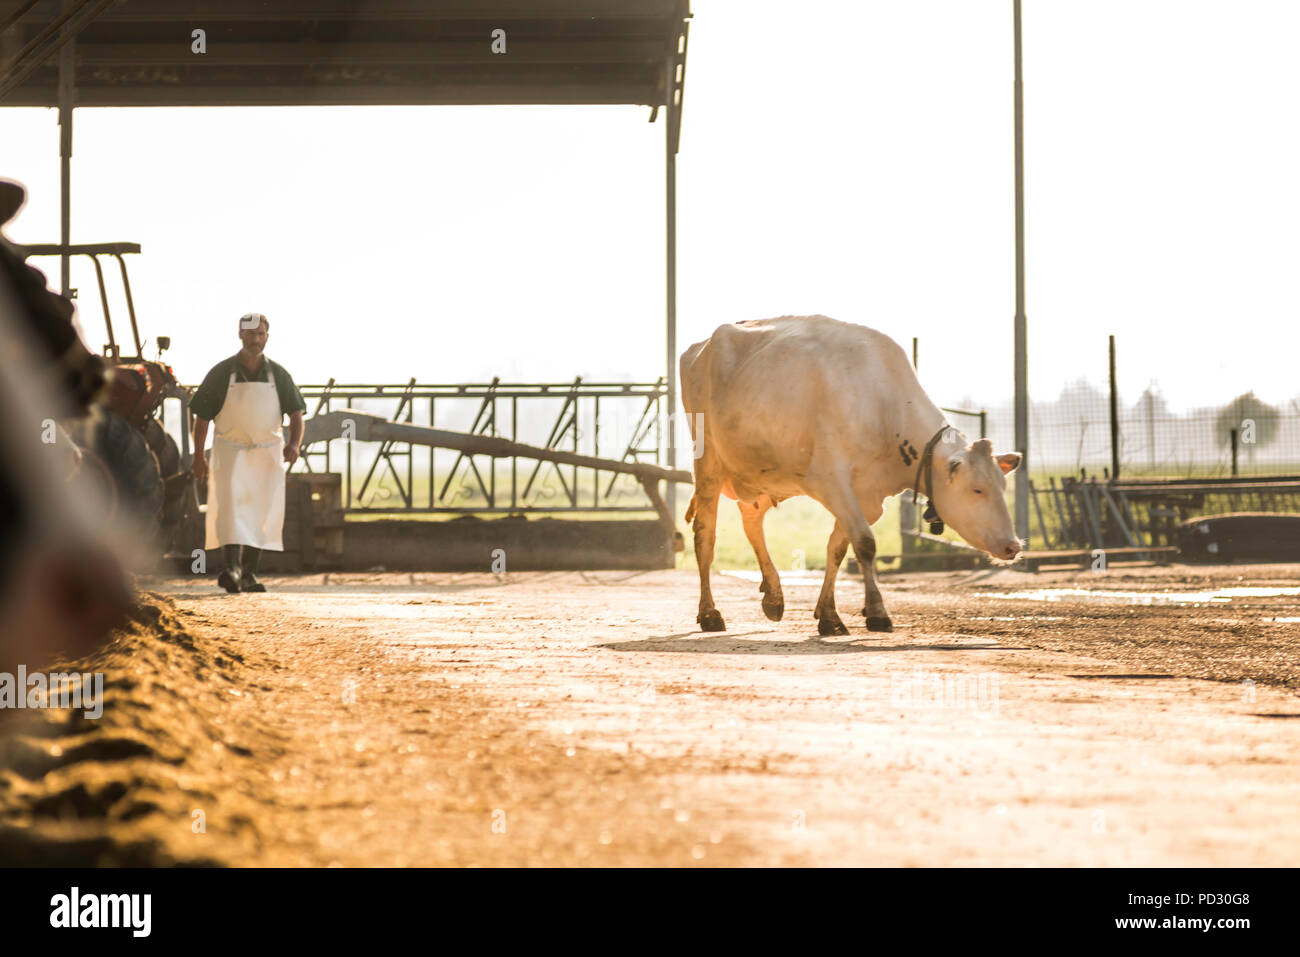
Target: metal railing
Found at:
619, 420
1087, 513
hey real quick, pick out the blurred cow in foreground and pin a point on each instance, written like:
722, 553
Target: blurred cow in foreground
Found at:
62, 587
813, 406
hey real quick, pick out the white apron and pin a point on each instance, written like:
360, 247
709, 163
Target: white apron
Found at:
246, 473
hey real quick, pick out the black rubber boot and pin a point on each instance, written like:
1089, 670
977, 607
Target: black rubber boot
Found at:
252, 557
231, 575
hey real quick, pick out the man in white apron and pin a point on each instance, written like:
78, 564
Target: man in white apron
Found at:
247, 397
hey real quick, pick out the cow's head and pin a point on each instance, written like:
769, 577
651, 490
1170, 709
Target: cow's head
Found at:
968, 491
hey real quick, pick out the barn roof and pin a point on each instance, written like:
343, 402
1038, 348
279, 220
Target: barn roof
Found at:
333, 52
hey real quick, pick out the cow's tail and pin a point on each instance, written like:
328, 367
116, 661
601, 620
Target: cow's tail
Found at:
690, 511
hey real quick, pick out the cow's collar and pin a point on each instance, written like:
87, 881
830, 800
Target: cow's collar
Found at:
924, 469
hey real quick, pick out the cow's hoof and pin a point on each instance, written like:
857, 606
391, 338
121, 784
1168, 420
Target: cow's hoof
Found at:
831, 626
711, 620
879, 624
774, 610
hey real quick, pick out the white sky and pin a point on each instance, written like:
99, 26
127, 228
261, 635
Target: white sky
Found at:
852, 159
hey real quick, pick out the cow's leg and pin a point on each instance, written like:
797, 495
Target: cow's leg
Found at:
836, 493
751, 516
704, 509
874, 608
828, 619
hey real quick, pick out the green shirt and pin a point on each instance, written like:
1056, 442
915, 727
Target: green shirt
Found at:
211, 395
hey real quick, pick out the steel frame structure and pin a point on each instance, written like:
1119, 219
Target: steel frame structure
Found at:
575, 428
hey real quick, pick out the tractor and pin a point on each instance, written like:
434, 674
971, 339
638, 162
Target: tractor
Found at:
126, 451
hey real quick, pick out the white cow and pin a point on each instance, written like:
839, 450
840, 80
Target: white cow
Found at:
806, 405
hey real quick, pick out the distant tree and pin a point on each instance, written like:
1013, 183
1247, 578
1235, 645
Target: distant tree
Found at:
1151, 404
1078, 418
1081, 399
1256, 422
1151, 408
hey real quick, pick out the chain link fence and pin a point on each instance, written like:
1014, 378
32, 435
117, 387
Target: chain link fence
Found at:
1235, 435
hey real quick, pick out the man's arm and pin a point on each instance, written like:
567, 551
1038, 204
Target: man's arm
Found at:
200, 466
292, 405
210, 396
294, 445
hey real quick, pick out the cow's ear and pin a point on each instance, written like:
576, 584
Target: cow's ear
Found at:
1008, 462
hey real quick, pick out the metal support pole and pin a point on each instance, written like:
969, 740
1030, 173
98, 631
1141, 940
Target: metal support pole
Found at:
670, 193
1114, 416
907, 524
1021, 324
187, 423
67, 76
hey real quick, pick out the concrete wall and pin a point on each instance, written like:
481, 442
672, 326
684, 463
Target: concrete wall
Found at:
467, 544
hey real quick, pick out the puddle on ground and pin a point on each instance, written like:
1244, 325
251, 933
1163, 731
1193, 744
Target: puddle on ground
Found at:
1219, 596
1116, 677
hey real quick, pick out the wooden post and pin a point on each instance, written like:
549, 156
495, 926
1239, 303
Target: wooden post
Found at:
1114, 416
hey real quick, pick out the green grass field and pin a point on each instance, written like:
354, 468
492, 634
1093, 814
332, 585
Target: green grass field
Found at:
797, 525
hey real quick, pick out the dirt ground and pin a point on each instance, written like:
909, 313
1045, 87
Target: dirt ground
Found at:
1131, 717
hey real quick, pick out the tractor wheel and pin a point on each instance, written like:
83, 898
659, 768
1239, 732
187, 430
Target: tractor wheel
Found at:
163, 447
93, 480
133, 467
